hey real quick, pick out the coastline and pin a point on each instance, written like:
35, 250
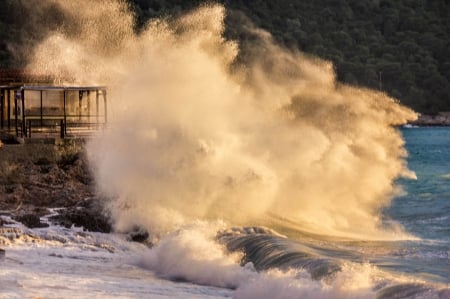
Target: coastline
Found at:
442, 119
36, 178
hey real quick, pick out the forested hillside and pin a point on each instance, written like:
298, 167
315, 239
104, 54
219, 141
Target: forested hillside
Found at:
399, 46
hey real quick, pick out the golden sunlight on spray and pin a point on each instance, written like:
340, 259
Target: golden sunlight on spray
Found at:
196, 135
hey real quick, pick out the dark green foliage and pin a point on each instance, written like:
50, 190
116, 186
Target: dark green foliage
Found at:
399, 46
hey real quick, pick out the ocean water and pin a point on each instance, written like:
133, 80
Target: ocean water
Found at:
210, 259
424, 210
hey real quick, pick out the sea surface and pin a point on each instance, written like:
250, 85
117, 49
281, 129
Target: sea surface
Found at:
424, 210
210, 259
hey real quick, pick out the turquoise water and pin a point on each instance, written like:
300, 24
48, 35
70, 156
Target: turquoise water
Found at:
423, 211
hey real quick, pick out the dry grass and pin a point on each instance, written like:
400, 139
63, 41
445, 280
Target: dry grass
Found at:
15, 158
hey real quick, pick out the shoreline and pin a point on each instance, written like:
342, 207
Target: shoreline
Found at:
442, 119
38, 177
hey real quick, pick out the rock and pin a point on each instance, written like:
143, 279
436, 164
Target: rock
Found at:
44, 164
88, 215
3, 222
35, 177
31, 221
138, 234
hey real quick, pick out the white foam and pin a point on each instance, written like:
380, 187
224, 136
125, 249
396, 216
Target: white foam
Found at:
56, 262
69, 263
192, 254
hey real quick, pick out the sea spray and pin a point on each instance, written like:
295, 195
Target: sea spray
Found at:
198, 134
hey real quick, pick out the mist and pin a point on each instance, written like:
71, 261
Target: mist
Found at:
198, 133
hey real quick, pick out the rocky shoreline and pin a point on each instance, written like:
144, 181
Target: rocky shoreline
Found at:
36, 179
441, 119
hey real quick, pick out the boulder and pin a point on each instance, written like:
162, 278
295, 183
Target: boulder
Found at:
31, 221
87, 214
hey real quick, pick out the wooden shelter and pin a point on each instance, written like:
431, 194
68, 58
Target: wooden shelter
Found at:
33, 110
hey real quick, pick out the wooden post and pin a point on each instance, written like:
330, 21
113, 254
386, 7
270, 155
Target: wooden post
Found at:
29, 128
16, 110
96, 107
65, 117
9, 109
89, 108
80, 98
42, 112
24, 125
105, 105
2, 108
63, 129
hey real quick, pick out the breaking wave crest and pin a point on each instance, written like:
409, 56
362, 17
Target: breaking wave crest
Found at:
259, 263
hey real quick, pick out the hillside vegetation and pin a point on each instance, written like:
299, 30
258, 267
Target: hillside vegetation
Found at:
399, 46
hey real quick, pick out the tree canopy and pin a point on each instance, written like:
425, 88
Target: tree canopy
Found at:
399, 46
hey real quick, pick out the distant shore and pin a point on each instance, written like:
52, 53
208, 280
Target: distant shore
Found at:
440, 119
